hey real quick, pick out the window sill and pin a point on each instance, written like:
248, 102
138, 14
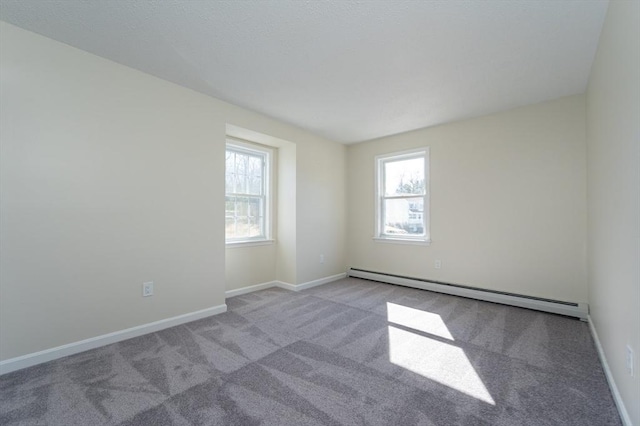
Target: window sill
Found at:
239, 244
392, 240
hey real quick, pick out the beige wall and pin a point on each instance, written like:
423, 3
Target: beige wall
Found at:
250, 265
111, 177
320, 185
613, 135
508, 201
286, 257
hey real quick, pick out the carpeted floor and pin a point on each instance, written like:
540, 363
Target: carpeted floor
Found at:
351, 352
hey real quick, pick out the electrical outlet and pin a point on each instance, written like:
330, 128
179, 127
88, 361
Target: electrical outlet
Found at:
630, 360
438, 264
147, 289
322, 258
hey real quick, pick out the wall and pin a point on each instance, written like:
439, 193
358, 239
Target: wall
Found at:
320, 186
111, 177
508, 201
286, 257
250, 265
613, 139
247, 266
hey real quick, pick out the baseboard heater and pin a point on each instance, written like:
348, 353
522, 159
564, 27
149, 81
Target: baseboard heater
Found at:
578, 310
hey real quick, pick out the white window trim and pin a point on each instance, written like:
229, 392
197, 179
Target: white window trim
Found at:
251, 148
379, 182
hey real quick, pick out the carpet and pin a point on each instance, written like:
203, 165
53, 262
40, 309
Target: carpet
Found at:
351, 352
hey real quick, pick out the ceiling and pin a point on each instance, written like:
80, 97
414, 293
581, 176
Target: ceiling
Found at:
346, 70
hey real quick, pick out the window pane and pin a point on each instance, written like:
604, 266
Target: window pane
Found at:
242, 226
229, 179
245, 207
255, 185
255, 166
230, 227
404, 177
230, 169
254, 227
240, 186
404, 216
239, 183
244, 217
244, 173
230, 206
254, 176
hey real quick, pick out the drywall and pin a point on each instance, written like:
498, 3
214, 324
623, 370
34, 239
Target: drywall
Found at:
320, 183
111, 177
108, 179
286, 256
508, 202
613, 140
249, 265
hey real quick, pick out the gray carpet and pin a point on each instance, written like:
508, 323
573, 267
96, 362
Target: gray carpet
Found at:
351, 352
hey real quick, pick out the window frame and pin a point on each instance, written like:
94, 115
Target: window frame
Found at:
246, 147
380, 198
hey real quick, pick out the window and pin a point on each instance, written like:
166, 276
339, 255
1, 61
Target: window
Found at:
402, 196
247, 180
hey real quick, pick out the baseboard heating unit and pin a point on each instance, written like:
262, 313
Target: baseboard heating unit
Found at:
578, 310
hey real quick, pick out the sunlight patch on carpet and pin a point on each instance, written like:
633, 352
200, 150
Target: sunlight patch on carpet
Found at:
418, 320
441, 362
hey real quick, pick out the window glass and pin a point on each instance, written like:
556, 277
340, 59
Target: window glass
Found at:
246, 186
402, 196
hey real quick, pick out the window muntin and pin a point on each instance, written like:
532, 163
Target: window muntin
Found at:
247, 203
402, 199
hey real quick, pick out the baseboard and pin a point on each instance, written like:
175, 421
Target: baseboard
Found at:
24, 361
285, 285
578, 310
251, 288
315, 283
624, 415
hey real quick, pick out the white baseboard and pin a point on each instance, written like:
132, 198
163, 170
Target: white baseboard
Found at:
250, 289
24, 361
310, 284
315, 283
578, 310
624, 415
284, 285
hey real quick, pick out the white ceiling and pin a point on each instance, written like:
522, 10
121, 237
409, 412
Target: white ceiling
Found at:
346, 70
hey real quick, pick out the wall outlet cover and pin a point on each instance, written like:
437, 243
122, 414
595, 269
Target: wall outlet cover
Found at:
147, 289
